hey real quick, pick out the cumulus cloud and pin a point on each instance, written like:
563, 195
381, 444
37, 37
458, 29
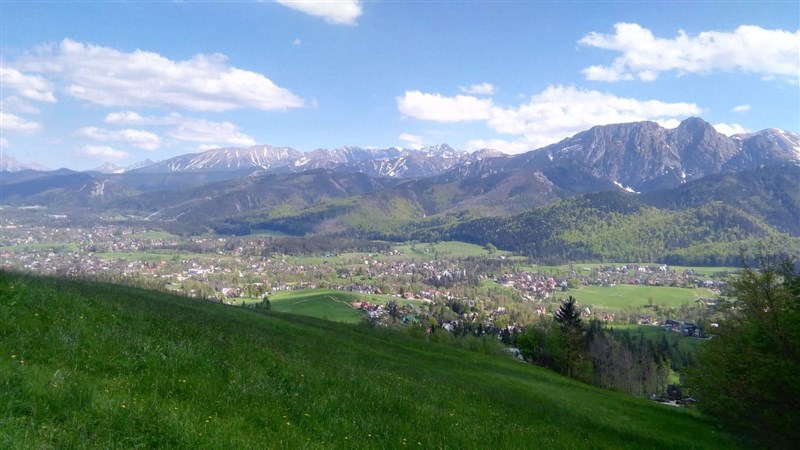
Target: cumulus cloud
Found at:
729, 129
479, 89
102, 152
142, 139
554, 114
188, 129
32, 87
749, 48
14, 103
134, 118
412, 140
110, 77
207, 132
509, 147
339, 12
741, 108
438, 108
15, 124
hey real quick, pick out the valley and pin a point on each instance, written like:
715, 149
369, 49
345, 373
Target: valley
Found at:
469, 251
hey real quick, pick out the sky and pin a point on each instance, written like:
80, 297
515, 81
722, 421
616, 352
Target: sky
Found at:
88, 82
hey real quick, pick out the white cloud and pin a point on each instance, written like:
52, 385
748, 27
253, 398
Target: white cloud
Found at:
729, 129
102, 152
554, 114
479, 89
509, 147
14, 103
134, 118
339, 12
188, 129
16, 124
204, 147
142, 139
438, 108
741, 108
749, 48
4, 143
416, 142
668, 123
109, 77
207, 132
297, 42
32, 87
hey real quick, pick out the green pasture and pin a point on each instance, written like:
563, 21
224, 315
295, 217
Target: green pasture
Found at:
448, 249
615, 298
586, 268
328, 304
325, 304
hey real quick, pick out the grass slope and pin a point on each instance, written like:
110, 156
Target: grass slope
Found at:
623, 296
95, 365
320, 303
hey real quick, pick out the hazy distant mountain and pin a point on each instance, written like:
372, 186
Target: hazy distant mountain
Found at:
263, 159
10, 164
256, 157
109, 167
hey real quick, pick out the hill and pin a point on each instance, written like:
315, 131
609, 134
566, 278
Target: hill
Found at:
109, 366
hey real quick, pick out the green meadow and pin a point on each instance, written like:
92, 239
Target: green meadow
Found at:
87, 365
320, 303
615, 298
328, 304
586, 268
447, 249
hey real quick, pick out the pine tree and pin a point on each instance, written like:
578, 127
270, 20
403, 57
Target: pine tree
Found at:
574, 361
568, 315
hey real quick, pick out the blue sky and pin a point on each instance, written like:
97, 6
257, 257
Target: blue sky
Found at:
88, 82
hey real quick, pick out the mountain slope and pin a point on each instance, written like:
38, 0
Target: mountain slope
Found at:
772, 193
120, 367
229, 199
617, 226
643, 156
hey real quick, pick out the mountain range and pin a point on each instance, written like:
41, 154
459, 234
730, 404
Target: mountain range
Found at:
747, 186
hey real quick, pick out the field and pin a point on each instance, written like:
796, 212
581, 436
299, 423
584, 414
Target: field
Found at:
103, 366
328, 304
449, 249
321, 303
623, 296
707, 272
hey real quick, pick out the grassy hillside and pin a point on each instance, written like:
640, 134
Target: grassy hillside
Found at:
321, 303
94, 365
625, 296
